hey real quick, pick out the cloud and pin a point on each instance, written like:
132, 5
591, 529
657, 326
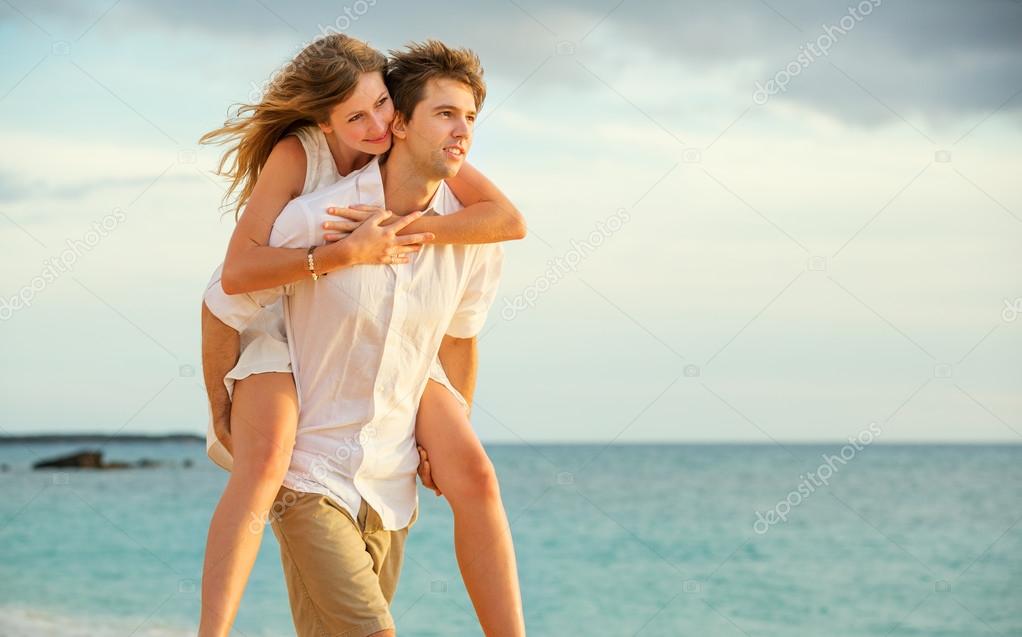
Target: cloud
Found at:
937, 60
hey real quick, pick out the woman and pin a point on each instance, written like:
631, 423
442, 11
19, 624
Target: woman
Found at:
327, 114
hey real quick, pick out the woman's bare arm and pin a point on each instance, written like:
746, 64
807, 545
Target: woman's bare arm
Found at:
250, 263
253, 265
488, 215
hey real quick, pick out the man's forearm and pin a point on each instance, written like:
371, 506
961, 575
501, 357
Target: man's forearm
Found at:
460, 358
220, 350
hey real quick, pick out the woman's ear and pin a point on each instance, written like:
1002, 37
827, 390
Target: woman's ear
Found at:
325, 127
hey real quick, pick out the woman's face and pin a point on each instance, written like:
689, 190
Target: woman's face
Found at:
362, 122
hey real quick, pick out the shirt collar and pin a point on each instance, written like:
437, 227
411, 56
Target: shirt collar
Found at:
369, 186
441, 203
369, 183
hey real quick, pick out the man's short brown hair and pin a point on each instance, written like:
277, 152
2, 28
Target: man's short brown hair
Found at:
411, 68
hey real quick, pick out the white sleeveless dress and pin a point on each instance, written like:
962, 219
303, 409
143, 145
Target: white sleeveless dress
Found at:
263, 342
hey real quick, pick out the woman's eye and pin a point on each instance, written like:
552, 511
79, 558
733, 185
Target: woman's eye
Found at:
355, 118
382, 101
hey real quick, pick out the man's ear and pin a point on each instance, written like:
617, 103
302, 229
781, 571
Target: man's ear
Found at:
398, 127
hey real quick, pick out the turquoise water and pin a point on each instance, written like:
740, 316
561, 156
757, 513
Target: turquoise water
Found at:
623, 540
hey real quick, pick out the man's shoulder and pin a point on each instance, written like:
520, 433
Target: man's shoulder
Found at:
295, 225
347, 189
343, 187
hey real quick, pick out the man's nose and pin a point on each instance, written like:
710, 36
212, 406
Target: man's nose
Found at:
461, 128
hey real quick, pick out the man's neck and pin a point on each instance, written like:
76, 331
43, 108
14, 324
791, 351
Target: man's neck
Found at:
405, 187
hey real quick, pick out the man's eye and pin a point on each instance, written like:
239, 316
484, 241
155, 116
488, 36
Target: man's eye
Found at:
445, 113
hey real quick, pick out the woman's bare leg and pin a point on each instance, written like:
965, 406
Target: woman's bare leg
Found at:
482, 537
264, 417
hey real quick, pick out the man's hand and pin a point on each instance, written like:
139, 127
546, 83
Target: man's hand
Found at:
424, 473
221, 347
222, 429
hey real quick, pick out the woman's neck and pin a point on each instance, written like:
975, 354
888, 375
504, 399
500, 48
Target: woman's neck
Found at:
346, 159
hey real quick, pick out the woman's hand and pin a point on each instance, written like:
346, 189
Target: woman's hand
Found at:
370, 234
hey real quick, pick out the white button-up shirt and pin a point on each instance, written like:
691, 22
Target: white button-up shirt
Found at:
362, 341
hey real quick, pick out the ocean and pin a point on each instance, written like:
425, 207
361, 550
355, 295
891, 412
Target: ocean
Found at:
666, 539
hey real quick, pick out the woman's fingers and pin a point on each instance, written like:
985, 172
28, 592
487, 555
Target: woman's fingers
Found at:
353, 213
343, 226
408, 239
397, 250
405, 220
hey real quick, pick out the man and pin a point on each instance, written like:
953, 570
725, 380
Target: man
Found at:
362, 341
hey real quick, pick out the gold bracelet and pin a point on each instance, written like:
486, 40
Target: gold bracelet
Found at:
312, 264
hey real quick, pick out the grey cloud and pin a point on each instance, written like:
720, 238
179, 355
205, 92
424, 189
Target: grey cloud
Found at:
934, 60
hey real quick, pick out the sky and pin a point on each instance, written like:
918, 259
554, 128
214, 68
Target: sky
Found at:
748, 222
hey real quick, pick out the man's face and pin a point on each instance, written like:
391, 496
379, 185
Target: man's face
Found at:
440, 132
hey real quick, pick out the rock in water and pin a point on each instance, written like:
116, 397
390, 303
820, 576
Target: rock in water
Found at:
81, 460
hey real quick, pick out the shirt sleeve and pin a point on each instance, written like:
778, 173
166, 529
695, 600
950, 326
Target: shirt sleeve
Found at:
480, 291
290, 230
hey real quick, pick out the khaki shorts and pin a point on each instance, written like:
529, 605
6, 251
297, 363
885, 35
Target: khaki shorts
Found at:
341, 573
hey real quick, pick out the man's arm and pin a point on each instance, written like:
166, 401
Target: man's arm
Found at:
220, 351
460, 358
459, 348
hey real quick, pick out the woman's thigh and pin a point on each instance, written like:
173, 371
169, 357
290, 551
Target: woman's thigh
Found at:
264, 418
456, 456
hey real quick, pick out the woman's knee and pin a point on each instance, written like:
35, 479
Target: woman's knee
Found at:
264, 452
264, 419
266, 461
473, 478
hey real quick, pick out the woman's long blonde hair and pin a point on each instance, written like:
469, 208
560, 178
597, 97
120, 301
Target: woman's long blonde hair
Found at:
303, 92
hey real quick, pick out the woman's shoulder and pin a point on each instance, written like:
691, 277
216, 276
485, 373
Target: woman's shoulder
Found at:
288, 164
310, 137
320, 168
290, 146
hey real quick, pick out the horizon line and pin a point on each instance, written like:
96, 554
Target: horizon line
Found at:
55, 436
